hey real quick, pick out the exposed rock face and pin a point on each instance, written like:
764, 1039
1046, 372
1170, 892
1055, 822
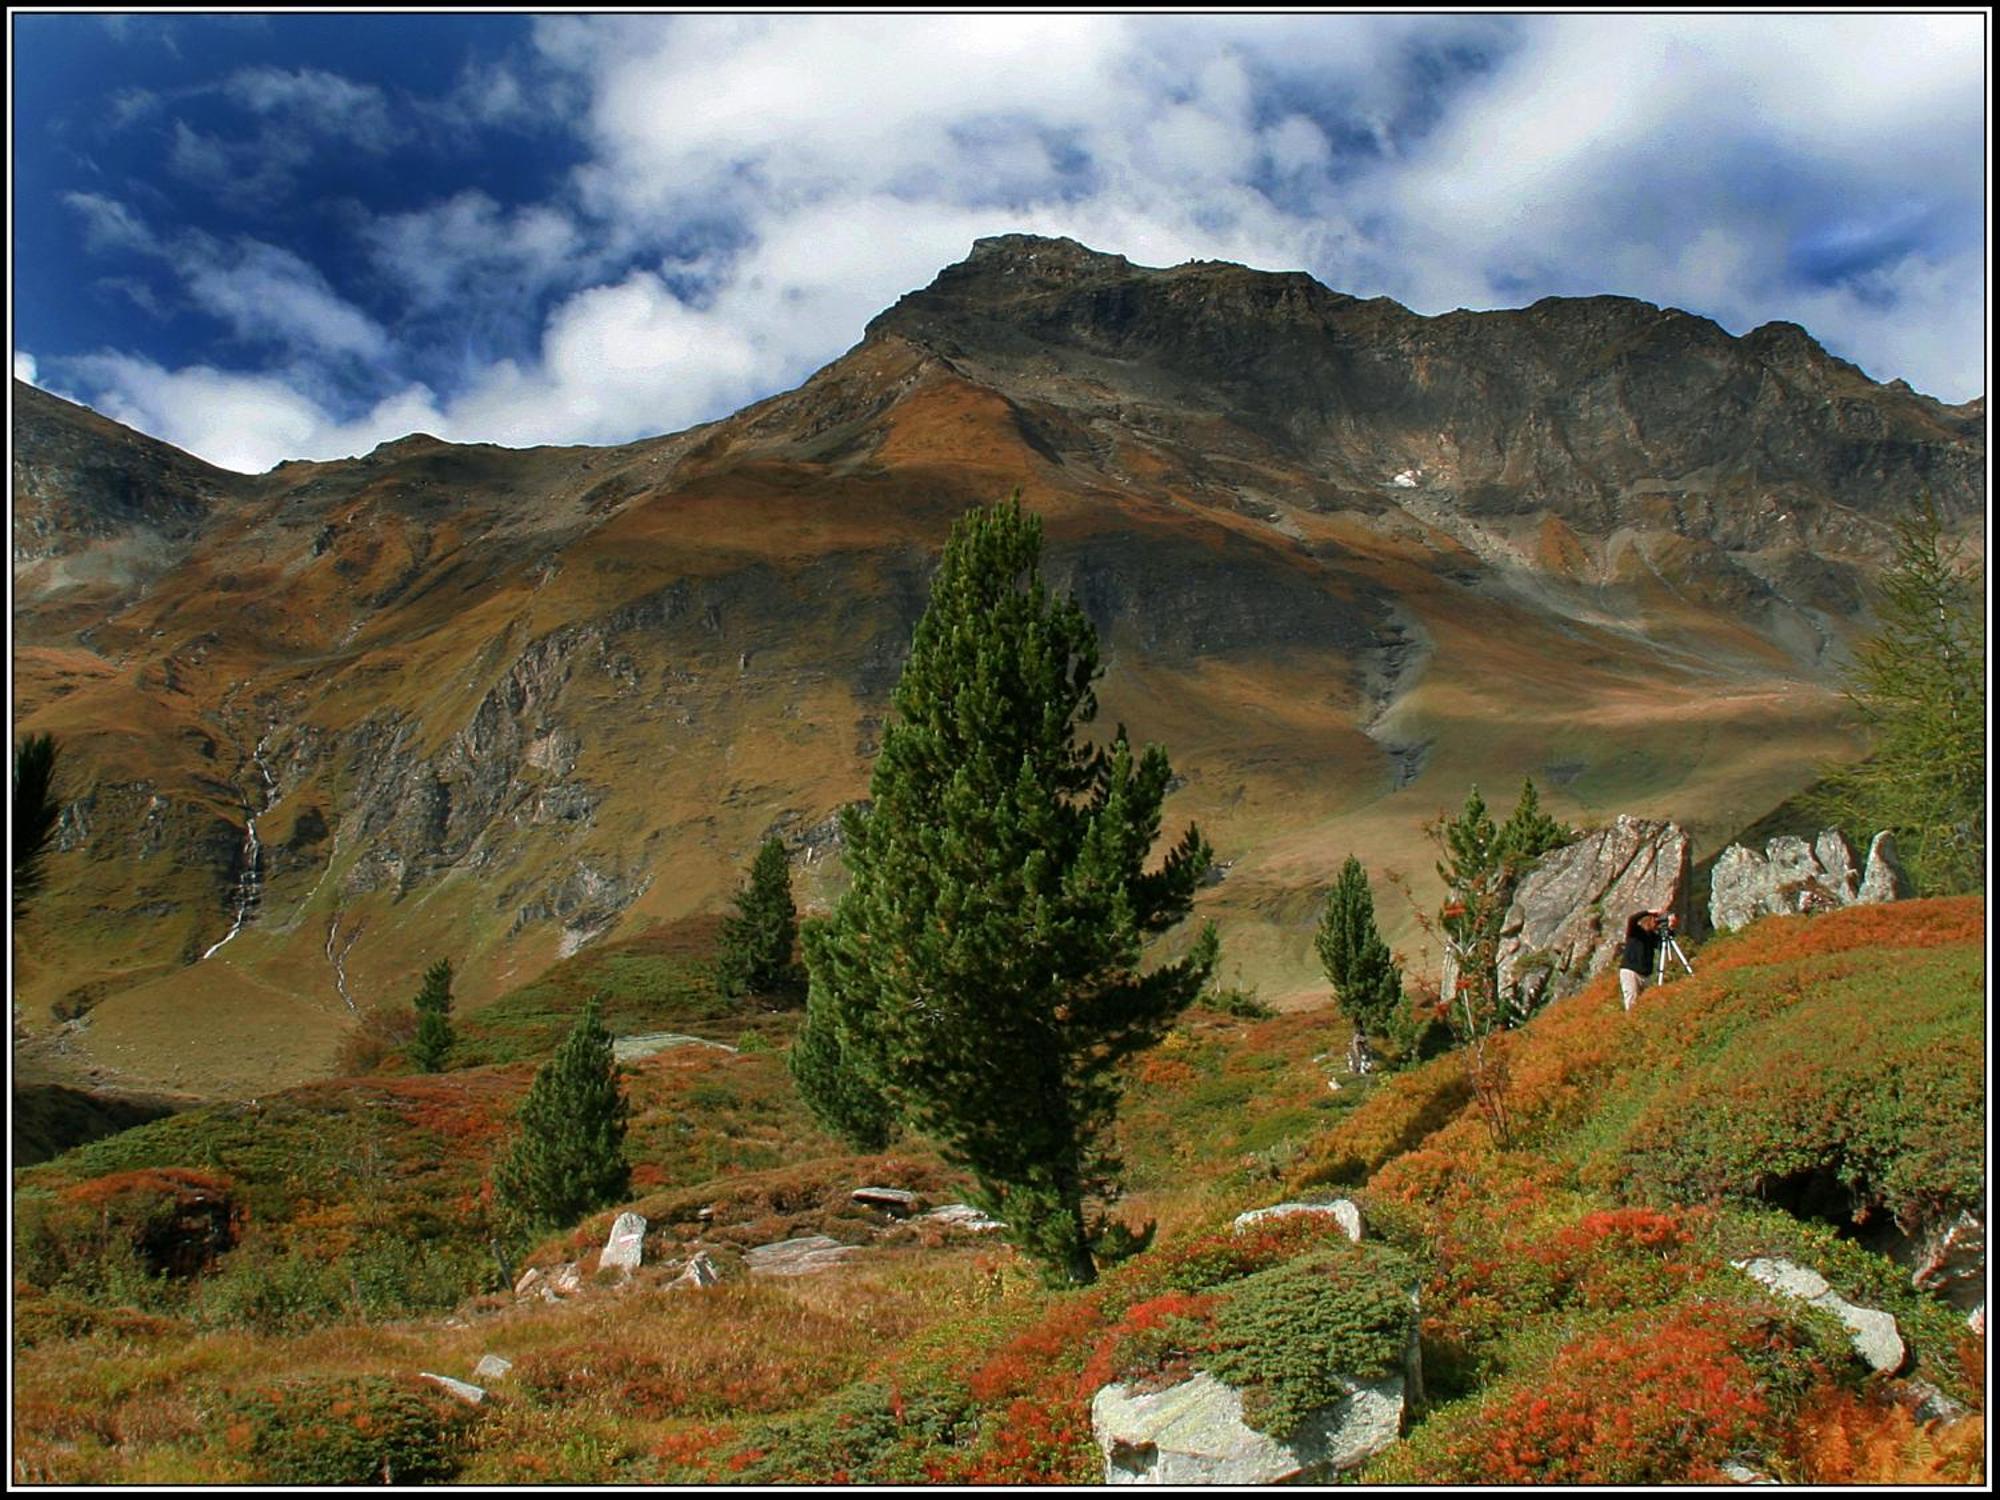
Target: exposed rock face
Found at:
1949, 1261
1874, 1333
962, 1216
1566, 923
1793, 876
1194, 1433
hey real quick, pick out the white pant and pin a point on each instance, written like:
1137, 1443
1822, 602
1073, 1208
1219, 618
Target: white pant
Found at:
1631, 981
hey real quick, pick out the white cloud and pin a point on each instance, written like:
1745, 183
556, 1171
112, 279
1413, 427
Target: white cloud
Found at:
265, 292
461, 247
110, 225
24, 366
357, 114
757, 187
238, 421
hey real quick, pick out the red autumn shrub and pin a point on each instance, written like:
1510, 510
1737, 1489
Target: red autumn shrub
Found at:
1653, 1399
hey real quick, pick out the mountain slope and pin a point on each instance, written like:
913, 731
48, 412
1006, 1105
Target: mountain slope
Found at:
495, 704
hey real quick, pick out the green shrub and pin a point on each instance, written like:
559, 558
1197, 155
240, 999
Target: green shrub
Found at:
366, 1430
1295, 1338
868, 1433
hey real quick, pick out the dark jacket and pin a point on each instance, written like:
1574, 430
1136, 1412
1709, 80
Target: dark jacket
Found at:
1642, 948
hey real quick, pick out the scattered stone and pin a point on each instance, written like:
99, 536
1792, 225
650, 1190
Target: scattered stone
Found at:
492, 1367
458, 1388
1738, 1472
962, 1216
530, 1279
1343, 1211
1872, 1333
800, 1257
1566, 923
700, 1272
626, 1248
632, 1048
567, 1280
1194, 1433
1929, 1404
897, 1201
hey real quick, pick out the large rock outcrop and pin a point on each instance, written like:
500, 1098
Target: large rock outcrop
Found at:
1793, 876
1194, 1433
1566, 922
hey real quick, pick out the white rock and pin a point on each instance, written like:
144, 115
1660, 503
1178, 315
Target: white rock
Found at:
458, 1388
492, 1367
624, 1250
1872, 1333
700, 1272
962, 1216
1194, 1433
530, 1279
568, 1278
894, 1200
1884, 879
1343, 1211
800, 1257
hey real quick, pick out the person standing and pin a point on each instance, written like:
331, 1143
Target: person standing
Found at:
1643, 936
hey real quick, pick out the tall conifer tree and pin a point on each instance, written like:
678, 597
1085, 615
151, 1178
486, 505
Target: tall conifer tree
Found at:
568, 1154
754, 955
981, 973
432, 1043
1366, 980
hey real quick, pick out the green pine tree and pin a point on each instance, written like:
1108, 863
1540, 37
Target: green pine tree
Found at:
568, 1153
981, 975
432, 1043
1482, 865
754, 956
1366, 980
36, 810
1919, 686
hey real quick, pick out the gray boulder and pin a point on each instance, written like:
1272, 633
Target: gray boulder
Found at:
1793, 876
1873, 1334
962, 1216
800, 1257
492, 1367
624, 1250
470, 1394
1884, 879
700, 1271
1566, 923
1194, 1433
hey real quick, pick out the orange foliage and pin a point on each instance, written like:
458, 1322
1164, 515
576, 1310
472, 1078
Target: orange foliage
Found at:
1867, 1438
1165, 1072
167, 1182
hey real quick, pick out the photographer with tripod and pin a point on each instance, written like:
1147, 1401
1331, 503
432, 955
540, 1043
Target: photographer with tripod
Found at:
1646, 934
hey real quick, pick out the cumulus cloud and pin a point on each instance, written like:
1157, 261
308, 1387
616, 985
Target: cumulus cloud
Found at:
24, 366
246, 422
754, 188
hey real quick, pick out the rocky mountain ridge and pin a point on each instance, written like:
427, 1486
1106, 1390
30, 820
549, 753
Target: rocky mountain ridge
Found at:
495, 704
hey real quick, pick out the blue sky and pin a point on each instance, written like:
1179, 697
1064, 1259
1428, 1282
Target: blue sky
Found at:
268, 237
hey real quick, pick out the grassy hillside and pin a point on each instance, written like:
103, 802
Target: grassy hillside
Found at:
244, 1293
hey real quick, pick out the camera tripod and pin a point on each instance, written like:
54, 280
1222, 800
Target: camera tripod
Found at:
1670, 944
